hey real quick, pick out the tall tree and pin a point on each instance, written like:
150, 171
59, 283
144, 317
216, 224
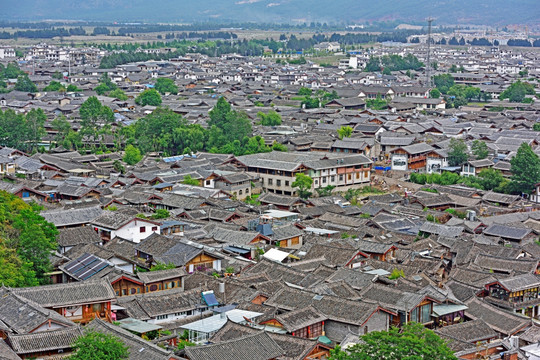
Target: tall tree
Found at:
303, 182
480, 149
148, 97
25, 84
457, 152
166, 85
219, 112
412, 342
525, 168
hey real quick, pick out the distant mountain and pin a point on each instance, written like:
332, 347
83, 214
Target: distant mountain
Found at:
493, 12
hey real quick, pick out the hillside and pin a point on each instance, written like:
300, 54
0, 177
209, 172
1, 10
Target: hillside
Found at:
445, 11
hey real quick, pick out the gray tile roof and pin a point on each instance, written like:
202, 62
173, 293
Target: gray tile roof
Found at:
251, 347
44, 341
68, 294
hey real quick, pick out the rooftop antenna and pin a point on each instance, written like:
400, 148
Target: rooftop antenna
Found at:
428, 68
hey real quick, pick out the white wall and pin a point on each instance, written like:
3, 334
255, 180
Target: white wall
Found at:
132, 231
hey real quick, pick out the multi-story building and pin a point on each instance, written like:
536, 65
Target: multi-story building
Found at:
518, 294
277, 170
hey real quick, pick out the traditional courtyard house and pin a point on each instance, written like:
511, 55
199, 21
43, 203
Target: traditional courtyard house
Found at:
352, 146
113, 224
145, 282
20, 316
305, 323
376, 250
278, 170
239, 185
44, 345
166, 306
411, 157
408, 306
7, 165
344, 316
518, 294
295, 348
473, 167
436, 160
80, 302
160, 249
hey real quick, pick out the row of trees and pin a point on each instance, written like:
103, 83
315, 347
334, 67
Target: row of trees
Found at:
393, 63
525, 168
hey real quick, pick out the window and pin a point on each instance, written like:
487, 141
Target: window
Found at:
270, 181
278, 182
414, 315
162, 317
333, 178
124, 292
295, 241
154, 228
340, 177
349, 177
133, 291
316, 182
324, 180
425, 314
366, 174
358, 175
247, 191
142, 229
286, 182
207, 182
153, 287
240, 192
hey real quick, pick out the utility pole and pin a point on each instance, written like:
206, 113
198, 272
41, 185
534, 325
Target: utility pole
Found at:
428, 65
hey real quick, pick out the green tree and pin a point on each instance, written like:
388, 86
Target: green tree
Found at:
536, 127
148, 97
25, 84
304, 91
132, 155
270, 119
310, 103
94, 116
525, 168
480, 149
160, 214
73, 88
219, 112
15, 272
303, 182
435, 94
490, 179
97, 346
517, 91
325, 191
35, 121
444, 82
188, 180
412, 342
105, 85
55, 86
457, 152
118, 94
345, 131
166, 85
